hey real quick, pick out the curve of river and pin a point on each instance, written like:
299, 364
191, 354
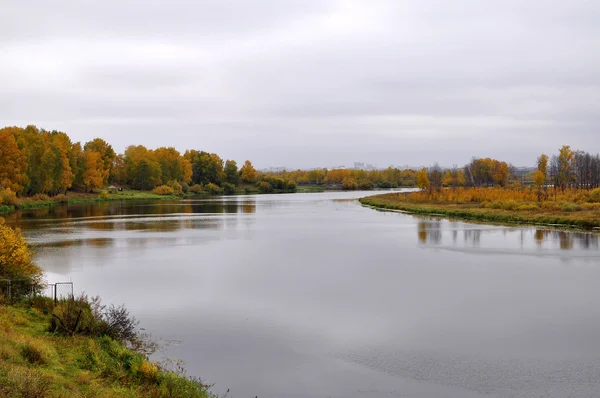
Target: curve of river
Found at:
313, 295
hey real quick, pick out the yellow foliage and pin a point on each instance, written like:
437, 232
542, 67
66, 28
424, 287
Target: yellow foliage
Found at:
15, 257
163, 190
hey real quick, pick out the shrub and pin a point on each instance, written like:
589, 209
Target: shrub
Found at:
44, 304
61, 198
349, 184
228, 188
213, 189
40, 197
185, 188
8, 197
175, 186
163, 190
119, 324
365, 184
594, 196
570, 207
197, 189
73, 316
264, 187
103, 194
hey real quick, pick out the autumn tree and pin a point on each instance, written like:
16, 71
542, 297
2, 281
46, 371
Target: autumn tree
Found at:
107, 155
232, 175
15, 258
174, 167
143, 171
93, 175
248, 172
565, 167
422, 179
13, 162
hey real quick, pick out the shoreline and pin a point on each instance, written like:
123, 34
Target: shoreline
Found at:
480, 215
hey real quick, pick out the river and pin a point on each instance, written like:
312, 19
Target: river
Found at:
313, 295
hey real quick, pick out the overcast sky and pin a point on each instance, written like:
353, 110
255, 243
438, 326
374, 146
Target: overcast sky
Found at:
303, 83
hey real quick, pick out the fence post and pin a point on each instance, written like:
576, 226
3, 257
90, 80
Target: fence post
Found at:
9, 290
55, 295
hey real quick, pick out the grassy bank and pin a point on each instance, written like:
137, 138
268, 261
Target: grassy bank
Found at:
569, 215
77, 197
36, 363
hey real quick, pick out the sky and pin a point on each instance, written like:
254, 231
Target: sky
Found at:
307, 83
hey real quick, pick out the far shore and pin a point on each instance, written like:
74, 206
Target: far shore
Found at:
583, 220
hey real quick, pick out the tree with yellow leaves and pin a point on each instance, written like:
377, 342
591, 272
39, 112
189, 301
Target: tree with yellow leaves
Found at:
15, 258
423, 179
13, 164
248, 172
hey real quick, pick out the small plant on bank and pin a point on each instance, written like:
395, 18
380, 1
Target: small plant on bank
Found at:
163, 190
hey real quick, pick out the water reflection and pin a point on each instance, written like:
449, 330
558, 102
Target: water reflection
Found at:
432, 231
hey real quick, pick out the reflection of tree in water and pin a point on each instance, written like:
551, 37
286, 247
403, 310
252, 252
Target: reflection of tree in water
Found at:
430, 231
473, 236
567, 240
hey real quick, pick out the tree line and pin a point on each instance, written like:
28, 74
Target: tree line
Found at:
564, 170
39, 162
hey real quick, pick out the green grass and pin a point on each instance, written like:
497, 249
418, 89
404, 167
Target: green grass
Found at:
4, 209
35, 363
310, 188
473, 211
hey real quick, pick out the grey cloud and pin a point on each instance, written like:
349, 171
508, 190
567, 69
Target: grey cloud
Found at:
309, 83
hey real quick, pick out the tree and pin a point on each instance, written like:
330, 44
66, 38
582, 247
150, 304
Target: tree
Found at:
207, 168
107, 154
248, 172
15, 258
565, 167
232, 175
423, 179
93, 177
13, 162
539, 179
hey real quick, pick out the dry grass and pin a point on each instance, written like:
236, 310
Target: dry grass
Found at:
569, 208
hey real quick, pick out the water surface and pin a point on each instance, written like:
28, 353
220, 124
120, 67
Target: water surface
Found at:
312, 295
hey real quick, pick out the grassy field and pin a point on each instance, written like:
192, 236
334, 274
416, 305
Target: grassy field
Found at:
580, 214
35, 363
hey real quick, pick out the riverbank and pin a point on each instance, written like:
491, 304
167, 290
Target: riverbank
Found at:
36, 363
583, 218
78, 197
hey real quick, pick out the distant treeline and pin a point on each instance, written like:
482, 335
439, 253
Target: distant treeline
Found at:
39, 162
351, 179
567, 169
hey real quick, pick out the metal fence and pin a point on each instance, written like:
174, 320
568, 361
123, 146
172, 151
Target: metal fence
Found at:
16, 289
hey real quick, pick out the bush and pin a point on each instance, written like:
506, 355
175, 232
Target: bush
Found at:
365, 185
213, 189
228, 188
349, 184
40, 197
61, 198
73, 316
594, 196
264, 187
185, 188
103, 194
570, 207
8, 197
197, 189
163, 190
175, 186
